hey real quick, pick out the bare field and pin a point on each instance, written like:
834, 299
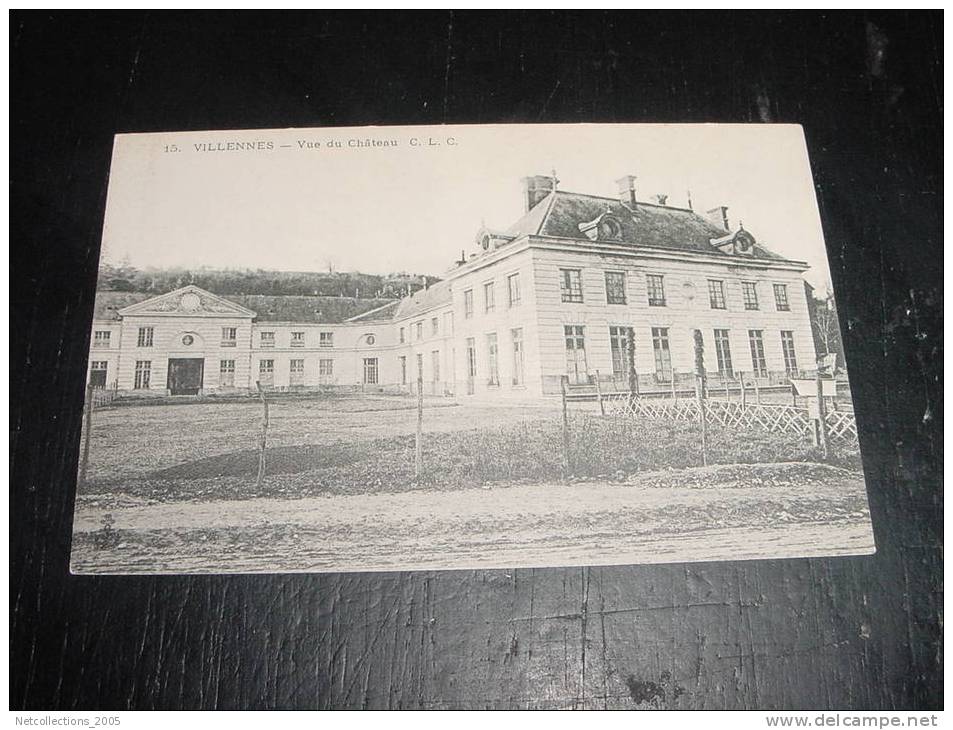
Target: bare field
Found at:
172, 489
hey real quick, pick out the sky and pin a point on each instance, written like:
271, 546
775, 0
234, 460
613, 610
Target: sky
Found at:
310, 199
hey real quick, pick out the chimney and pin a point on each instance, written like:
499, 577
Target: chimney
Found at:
718, 217
660, 198
536, 188
626, 185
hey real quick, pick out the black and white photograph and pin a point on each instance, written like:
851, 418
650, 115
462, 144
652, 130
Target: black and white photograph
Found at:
398, 348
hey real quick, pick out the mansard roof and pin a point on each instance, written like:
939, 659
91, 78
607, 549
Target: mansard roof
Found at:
560, 214
110, 305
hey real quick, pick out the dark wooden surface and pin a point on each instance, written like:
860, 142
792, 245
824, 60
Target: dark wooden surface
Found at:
859, 633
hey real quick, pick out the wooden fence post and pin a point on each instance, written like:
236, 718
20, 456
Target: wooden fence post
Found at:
757, 391
822, 417
602, 406
562, 383
724, 381
87, 436
418, 442
744, 391
699, 390
263, 439
674, 390
630, 352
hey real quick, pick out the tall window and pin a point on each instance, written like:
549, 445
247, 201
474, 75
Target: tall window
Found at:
576, 366
513, 290
492, 360
101, 338
663, 353
787, 349
471, 358
266, 372
297, 339
781, 297
434, 326
229, 336
325, 339
435, 366
226, 373
370, 371
145, 337
325, 371
296, 372
468, 304
615, 287
419, 330
447, 324
656, 289
517, 335
267, 339
619, 339
756, 343
750, 291
143, 374
570, 285
97, 373
723, 352
403, 369
402, 336
716, 293
489, 297
420, 367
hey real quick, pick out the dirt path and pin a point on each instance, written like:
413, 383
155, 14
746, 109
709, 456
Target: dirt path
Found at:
649, 519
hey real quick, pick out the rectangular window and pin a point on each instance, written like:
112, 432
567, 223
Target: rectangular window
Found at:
325, 371
468, 304
267, 339
226, 373
296, 372
570, 285
370, 371
403, 369
143, 374
716, 293
576, 367
297, 339
101, 338
489, 296
97, 373
517, 335
435, 366
750, 291
663, 353
325, 339
756, 343
787, 348
656, 290
723, 352
513, 294
402, 336
419, 330
471, 358
492, 360
619, 339
145, 337
229, 336
615, 287
434, 326
781, 297
266, 372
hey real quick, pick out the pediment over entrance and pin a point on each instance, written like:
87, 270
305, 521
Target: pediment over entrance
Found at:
189, 301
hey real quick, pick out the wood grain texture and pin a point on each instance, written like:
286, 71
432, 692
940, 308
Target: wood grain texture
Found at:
860, 633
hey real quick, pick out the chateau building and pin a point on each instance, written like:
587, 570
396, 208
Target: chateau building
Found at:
580, 285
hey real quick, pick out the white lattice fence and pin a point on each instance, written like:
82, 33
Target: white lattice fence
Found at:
776, 418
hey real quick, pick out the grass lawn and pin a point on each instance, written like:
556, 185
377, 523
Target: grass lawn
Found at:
342, 446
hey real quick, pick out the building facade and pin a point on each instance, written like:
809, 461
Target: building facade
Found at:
581, 286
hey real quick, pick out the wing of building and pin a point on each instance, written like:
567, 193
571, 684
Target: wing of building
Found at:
582, 286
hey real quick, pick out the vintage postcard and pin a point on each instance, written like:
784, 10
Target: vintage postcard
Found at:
404, 348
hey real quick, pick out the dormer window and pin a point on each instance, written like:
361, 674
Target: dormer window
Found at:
607, 227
